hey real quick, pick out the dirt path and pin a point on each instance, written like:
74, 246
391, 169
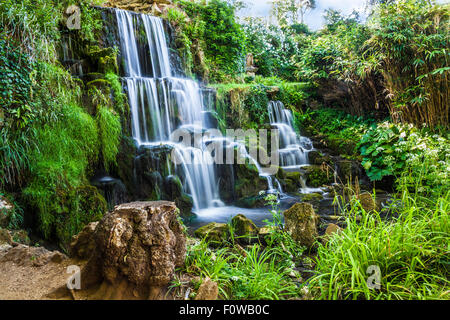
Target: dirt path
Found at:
30, 274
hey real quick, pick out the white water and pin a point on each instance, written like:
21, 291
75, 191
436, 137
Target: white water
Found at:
294, 149
161, 104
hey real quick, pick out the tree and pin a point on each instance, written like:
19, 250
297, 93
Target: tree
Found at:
291, 11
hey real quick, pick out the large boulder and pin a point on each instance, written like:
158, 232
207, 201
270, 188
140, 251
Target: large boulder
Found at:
137, 248
244, 228
214, 233
301, 223
292, 181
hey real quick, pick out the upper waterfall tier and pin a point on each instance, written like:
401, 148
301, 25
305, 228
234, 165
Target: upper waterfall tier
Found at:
154, 41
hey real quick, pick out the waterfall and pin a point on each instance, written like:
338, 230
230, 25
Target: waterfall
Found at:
294, 149
161, 103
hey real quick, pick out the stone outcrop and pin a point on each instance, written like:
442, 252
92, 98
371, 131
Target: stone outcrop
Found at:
136, 250
301, 223
317, 176
208, 290
144, 6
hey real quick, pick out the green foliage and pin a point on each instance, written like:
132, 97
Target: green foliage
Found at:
255, 105
251, 274
339, 128
409, 46
14, 215
215, 41
411, 251
59, 163
34, 25
412, 155
110, 133
333, 53
116, 86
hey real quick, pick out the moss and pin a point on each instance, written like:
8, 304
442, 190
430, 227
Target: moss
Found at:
291, 181
185, 204
301, 223
312, 197
109, 131
104, 60
244, 228
215, 233
84, 205
119, 96
101, 84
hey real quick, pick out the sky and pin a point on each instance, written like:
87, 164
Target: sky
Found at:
314, 19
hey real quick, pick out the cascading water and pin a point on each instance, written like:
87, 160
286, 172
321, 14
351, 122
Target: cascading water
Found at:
294, 149
161, 103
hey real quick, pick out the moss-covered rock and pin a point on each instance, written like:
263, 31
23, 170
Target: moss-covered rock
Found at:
103, 59
245, 188
301, 223
367, 202
318, 158
185, 203
317, 176
292, 181
214, 233
313, 198
173, 187
244, 228
330, 231
251, 202
348, 169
